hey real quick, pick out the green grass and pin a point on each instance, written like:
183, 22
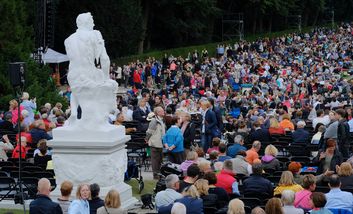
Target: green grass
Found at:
211, 47
3, 211
149, 186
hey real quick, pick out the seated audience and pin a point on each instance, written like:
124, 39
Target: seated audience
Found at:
288, 200
328, 159
345, 172
286, 123
240, 166
6, 125
287, 183
274, 206
41, 158
258, 210
168, 196
269, 160
275, 128
38, 132
209, 200
226, 180
64, 199
205, 166
336, 198
302, 198
43, 204
215, 145
222, 195
295, 168
178, 208
236, 206
112, 204
191, 199
259, 134
119, 121
5, 146
16, 151
222, 153
300, 135
252, 153
192, 174
95, 202
318, 201
191, 158
236, 147
256, 183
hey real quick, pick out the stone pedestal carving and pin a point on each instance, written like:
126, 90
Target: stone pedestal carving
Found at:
92, 157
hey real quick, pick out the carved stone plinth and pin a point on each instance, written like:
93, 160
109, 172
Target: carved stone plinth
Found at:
92, 157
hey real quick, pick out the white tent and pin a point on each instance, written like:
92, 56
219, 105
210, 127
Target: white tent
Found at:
52, 56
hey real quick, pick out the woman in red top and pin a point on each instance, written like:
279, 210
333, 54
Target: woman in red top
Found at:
275, 128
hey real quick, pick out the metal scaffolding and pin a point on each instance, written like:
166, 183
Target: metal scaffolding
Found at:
233, 26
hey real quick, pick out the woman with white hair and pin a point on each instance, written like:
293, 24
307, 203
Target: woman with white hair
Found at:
29, 105
178, 208
287, 198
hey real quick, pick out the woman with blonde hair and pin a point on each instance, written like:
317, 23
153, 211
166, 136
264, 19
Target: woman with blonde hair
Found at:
13, 108
286, 123
287, 183
112, 204
191, 158
345, 172
274, 206
275, 128
236, 206
81, 205
269, 160
209, 200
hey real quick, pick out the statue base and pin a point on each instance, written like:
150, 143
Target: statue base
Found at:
88, 156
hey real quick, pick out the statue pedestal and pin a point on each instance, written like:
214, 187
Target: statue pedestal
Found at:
88, 156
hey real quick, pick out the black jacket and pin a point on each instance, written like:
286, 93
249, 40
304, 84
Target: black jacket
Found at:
94, 204
44, 205
141, 117
257, 183
261, 135
189, 135
336, 160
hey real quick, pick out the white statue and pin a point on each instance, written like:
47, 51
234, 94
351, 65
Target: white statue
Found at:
91, 87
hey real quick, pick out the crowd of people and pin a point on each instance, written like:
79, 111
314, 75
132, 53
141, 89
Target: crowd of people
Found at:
218, 117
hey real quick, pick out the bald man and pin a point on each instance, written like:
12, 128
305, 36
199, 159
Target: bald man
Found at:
43, 204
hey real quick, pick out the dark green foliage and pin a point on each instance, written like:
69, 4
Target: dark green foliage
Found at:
16, 44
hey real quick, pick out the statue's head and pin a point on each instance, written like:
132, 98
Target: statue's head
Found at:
84, 21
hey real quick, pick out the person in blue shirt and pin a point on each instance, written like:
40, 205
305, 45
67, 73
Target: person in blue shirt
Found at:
336, 198
173, 141
81, 205
300, 135
236, 147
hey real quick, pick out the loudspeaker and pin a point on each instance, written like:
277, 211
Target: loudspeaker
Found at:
17, 74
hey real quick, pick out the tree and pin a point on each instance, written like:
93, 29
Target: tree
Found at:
16, 44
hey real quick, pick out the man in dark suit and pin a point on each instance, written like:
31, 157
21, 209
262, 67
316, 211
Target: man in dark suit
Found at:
6, 125
259, 134
140, 115
300, 135
209, 126
256, 184
43, 204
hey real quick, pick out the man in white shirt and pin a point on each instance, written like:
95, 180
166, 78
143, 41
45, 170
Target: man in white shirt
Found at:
168, 196
321, 118
336, 198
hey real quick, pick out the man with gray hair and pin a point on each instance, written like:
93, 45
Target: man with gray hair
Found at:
287, 198
236, 147
154, 134
300, 135
168, 196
